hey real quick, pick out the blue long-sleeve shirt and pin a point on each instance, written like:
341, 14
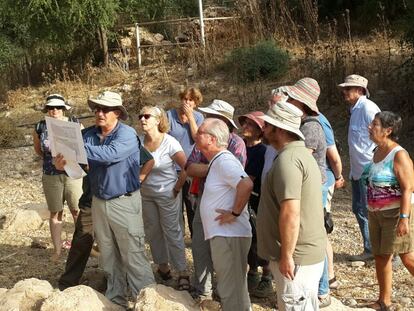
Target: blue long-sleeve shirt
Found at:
114, 162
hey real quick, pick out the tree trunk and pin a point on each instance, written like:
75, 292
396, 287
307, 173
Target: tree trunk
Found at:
104, 45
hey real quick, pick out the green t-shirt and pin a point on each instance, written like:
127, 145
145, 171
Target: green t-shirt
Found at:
294, 175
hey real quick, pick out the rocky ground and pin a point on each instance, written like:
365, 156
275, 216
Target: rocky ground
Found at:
21, 257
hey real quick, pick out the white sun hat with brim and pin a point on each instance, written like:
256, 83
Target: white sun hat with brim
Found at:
356, 80
285, 116
109, 99
55, 100
221, 108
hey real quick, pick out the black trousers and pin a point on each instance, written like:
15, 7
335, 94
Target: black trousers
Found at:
82, 243
188, 205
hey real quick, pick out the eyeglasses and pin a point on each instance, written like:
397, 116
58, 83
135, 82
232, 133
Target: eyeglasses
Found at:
104, 109
146, 116
55, 107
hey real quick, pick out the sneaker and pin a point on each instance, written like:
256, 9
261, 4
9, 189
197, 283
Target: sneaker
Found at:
253, 280
264, 289
325, 301
362, 257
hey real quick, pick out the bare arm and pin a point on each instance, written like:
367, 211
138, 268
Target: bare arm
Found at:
180, 159
188, 110
36, 144
289, 221
335, 162
403, 169
243, 190
145, 170
197, 170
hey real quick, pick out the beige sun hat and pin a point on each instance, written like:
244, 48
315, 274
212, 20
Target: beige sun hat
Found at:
306, 90
285, 116
221, 108
109, 99
356, 80
55, 100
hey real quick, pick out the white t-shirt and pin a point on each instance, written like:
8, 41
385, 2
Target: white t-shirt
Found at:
220, 193
163, 175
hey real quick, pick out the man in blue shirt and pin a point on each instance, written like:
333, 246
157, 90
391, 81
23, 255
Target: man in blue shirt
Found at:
355, 93
113, 156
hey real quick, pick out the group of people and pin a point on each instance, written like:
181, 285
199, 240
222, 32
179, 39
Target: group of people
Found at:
260, 200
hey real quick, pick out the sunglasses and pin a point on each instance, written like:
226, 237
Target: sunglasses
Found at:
55, 107
104, 109
146, 116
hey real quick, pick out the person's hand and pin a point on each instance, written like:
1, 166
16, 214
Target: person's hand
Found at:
225, 217
175, 192
403, 227
59, 162
287, 267
340, 182
188, 110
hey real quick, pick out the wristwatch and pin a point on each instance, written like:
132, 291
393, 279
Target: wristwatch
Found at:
402, 216
235, 214
339, 177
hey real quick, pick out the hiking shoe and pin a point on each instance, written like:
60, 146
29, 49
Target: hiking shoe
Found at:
325, 301
361, 257
253, 280
264, 289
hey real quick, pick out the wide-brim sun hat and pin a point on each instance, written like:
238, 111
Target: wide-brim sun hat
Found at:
285, 116
221, 108
356, 80
306, 90
254, 116
109, 99
55, 100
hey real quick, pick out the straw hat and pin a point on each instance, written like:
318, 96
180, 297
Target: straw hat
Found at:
356, 80
306, 90
285, 116
55, 100
221, 108
109, 99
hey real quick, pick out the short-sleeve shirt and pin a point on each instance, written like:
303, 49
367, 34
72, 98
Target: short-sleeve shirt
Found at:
163, 175
181, 131
361, 148
294, 175
225, 173
254, 165
315, 140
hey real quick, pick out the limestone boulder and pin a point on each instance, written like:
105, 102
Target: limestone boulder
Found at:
27, 217
162, 298
26, 295
78, 298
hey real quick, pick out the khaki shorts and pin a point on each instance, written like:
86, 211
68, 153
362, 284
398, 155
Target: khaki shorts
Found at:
382, 232
61, 188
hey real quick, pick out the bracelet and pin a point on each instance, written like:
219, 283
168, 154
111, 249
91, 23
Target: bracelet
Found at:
403, 216
235, 214
339, 177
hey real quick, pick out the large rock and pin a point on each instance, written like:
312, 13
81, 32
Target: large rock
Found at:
162, 298
27, 217
79, 298
26, 295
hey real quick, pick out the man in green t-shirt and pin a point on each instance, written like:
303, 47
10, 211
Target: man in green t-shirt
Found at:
290, 228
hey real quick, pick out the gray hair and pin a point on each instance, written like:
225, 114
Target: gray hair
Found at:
218, 129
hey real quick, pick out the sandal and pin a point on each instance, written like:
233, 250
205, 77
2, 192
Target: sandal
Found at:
379, 306
333, 283
183, 282
165, 275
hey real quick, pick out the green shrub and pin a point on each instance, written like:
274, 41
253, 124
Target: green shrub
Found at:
261, 61
10, 135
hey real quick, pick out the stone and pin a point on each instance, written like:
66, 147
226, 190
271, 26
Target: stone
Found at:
162, 298
23, 220
78, 298
337, 305
405, 301
2, 291
158, 37
26, 295
357, 263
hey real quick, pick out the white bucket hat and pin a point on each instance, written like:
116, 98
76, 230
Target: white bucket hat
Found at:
55, 100
221, 108
109, 99
356, 80
285, 116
